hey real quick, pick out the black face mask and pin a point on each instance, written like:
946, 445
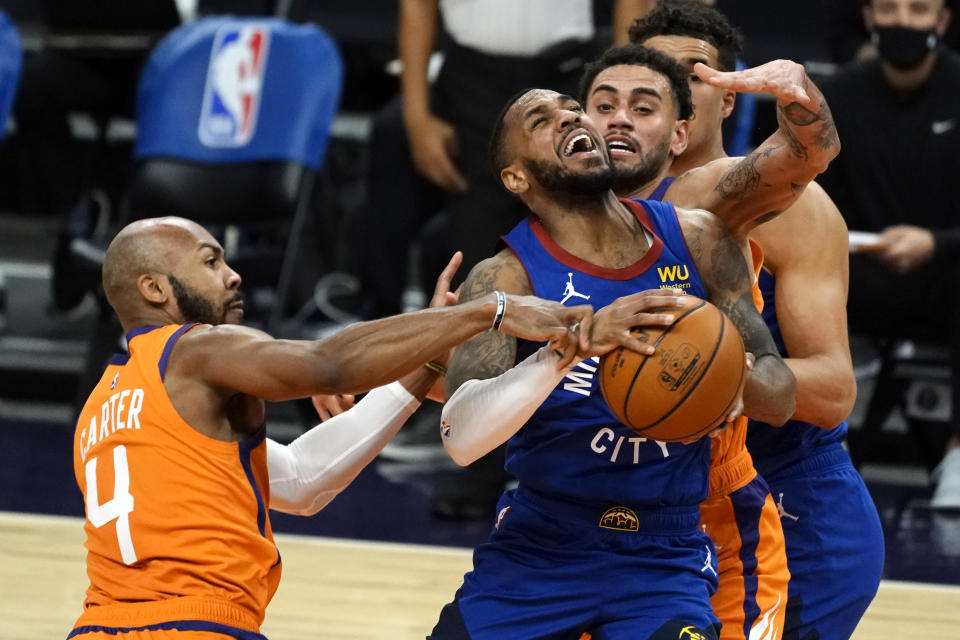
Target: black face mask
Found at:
903, 47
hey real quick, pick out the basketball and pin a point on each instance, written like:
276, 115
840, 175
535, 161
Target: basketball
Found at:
688, 385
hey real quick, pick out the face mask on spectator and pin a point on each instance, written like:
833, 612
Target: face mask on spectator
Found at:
903, 47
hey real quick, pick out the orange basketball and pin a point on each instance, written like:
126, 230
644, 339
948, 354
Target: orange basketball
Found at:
688, 386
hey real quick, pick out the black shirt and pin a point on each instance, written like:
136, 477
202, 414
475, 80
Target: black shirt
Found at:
900, 157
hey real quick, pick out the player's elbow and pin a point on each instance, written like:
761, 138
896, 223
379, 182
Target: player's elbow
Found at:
825, 153
461, 455
830, 409
784, 394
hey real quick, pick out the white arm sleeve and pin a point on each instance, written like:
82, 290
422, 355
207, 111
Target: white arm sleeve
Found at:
483, 414
309, 472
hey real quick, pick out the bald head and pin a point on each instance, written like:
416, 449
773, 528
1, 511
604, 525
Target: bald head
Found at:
153, 245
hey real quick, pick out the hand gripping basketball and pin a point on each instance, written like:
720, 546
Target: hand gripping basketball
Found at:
690, 385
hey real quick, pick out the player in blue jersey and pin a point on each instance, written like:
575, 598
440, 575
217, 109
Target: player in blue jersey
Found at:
834, 540
600, 536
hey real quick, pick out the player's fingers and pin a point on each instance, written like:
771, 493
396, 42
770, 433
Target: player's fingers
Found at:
442, 288
581, 317
345, 402
643, 348
737, 410
646, 300
320, 406
566, 345
652, 319
705, 73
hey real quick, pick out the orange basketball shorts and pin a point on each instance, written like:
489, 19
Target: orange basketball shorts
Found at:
751, 558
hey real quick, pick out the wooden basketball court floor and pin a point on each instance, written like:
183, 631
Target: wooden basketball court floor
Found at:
350, 590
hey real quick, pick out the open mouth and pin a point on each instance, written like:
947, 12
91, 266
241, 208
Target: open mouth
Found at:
620, 145
578, 143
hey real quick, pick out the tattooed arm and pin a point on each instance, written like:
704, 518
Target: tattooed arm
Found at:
769, 391
490, 353
490, 399
745, 192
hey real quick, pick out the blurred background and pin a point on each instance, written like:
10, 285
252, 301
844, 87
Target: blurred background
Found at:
329, 221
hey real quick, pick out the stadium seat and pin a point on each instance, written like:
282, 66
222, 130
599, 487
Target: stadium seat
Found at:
233, 119
913, 379
11, 60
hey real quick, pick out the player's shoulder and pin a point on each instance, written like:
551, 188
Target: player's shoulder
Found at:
203, 340
811, 226
812, 215
696, 188
695, 221
503, 271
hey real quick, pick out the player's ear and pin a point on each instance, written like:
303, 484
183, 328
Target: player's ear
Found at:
729, 99
514, 178
680, 137
154, 288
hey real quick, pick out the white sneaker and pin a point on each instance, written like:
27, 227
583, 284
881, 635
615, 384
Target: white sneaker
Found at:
946, 495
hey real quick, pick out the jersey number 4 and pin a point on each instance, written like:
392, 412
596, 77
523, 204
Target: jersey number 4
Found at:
119, 507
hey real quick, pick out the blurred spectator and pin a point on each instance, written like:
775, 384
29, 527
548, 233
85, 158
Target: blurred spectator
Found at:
81, 57
847, 37
898, 116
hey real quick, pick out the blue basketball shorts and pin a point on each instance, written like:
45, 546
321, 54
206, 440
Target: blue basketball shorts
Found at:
835, 546
553, 569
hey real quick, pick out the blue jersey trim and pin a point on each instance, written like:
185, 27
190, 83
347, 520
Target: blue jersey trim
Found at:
747, 510
176, 625
245, 448
167, 348
139, 331
119, 359
661, 189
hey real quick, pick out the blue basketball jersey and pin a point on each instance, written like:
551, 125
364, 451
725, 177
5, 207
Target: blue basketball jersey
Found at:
573, 446
774, 448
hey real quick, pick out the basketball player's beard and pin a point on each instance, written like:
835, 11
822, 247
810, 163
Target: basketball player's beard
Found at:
559, 179
628, 179
195, 308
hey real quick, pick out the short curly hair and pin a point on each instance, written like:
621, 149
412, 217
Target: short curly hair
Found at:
638, 55
694, 19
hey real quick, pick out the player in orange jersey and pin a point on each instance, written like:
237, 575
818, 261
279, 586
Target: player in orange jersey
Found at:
739, 513
170, 449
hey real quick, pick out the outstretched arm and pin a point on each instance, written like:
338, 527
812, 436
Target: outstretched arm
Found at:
230, 359
314, 468
745, 192
768, 394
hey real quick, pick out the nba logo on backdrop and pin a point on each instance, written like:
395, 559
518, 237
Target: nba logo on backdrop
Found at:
231, 98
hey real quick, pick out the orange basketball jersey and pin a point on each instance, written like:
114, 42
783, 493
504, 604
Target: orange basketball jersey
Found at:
177, 525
